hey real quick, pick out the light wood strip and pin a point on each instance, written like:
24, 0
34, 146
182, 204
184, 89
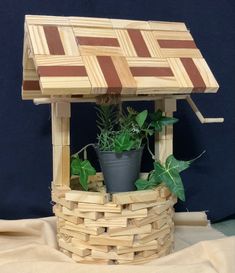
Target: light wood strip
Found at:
96, 77
81, 251
60, 126
100, 51
159, 85
105, 239
38, 40
208, 77
94, 32
174, 26
125, 76
87, 197
91, 22
61, 165
180, 52
75, 234
129, 24
136, 247
125, 42
112, 255
68, 41
172, 35
180, 73
109, 207
90, 260
130, 230
76, 242
58, 60
134, 197
102, 222
151, 43
146, 62
65, 85
83, 229
46, 20
127, 213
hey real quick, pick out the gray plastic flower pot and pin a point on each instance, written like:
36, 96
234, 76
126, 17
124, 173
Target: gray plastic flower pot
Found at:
120, 170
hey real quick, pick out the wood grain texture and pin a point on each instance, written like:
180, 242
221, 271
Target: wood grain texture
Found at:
109, 49
119, 234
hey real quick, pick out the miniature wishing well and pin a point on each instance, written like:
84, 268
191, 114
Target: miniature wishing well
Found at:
76, 59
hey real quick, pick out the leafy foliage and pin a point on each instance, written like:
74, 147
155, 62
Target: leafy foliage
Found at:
158, 121
126, 130
169, 174
83, 169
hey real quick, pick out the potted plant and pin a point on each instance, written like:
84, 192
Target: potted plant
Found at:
121, 139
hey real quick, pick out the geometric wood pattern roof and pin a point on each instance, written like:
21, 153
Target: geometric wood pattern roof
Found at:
92, 56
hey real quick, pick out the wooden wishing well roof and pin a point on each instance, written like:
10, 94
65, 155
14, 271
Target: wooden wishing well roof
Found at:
92, 56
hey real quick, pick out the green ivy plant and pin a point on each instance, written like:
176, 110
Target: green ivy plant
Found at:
167, 173
82, 168
128, 129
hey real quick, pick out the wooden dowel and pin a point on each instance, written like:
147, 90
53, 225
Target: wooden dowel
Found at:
199, 114
93, 99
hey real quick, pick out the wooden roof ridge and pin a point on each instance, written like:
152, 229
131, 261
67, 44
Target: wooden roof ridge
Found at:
85, 56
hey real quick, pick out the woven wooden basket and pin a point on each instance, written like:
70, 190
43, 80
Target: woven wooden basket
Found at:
123, 228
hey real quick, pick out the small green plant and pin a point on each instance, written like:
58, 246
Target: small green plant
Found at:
169, 174
127, 130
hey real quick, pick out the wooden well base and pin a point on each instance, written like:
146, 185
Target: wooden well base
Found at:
125, 228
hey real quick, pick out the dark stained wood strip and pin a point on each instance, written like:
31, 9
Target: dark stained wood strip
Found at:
151, 71
110, 74
177, 44
31, 85
62, 71
139, 43
194, 75
97, 41
53, 40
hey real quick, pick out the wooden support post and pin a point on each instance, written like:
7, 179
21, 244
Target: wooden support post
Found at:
164, 140
60, 125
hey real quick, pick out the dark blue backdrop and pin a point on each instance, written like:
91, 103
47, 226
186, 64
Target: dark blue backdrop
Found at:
25, 155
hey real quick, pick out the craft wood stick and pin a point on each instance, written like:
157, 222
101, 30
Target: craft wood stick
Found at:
109, 207
40, 101
77, 250
87, 197
191, 218
78, 243
138, 247
79, 235
83, 229
90, 260
134, 197
199, 114
105, 239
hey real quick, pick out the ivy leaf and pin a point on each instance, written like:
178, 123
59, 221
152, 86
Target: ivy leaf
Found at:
171, 178
123, 142
168, 121
156, 125
83, 169
141, 117
158, 121
178, 165
86, 166
75, 166
145, 184
156, 115
84, 179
